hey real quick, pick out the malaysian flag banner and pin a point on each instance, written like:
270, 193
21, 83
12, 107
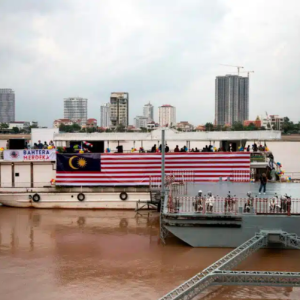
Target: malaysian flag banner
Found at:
129, 169
78, 163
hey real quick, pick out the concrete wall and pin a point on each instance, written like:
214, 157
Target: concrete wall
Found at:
43, 134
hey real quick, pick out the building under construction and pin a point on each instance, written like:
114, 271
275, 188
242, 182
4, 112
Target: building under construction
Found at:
231, 99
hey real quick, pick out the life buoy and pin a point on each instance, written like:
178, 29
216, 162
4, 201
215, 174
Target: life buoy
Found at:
81, 197
123, 223
123, 196
36, 198
81, 221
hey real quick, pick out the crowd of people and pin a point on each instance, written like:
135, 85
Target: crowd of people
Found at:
40, 145
211, 148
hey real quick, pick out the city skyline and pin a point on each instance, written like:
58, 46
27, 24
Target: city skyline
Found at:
160, 62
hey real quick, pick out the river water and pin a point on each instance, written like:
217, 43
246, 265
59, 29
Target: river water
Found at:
72, 254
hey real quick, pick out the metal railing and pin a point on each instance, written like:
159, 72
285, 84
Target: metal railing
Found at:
223, 205
240, 176
172, 178
219, 273
193, 286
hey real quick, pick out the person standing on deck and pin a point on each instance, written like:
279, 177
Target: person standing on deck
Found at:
263, 183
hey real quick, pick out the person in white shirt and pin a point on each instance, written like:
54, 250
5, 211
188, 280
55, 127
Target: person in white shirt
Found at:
210, 201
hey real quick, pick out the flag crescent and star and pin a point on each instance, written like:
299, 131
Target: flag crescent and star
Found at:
70, 163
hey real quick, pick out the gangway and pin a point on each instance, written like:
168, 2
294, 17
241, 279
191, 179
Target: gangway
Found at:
219, 273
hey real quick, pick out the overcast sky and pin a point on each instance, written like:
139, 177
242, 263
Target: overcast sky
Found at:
165, 52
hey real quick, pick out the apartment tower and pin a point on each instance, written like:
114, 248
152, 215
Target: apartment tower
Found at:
7, 105
119, 109
75, 109
231, 99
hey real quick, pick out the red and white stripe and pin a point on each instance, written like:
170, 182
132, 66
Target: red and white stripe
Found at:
126, 169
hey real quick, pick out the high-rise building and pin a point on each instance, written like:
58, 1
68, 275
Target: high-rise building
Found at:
141, 121
75, 109
148, 112
7, 105
119, 108
167, 115
231, 99
105, 115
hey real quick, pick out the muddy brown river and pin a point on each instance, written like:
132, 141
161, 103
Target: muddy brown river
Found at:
72, 254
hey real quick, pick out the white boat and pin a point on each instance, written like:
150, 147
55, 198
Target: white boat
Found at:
25, 178
75, 199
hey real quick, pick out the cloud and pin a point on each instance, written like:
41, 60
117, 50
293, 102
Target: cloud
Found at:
158, 51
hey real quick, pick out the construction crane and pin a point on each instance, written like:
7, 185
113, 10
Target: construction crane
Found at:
238, 67
248, 72
269, 122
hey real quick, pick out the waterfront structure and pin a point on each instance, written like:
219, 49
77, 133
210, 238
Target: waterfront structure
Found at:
66, 122
18, 124
167, 115
119, 109
141, 122
91, 123
257, 123
105, 115
273, 122
200, 128
7, 105
184, 126
231, 99
148, 112
75, 109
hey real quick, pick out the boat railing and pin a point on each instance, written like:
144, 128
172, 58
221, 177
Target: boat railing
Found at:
178, 205
293, 175
260, 156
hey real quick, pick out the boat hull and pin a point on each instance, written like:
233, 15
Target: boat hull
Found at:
222, 234
69, 200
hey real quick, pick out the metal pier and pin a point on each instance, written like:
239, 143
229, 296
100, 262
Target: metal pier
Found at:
219, 274
263, 278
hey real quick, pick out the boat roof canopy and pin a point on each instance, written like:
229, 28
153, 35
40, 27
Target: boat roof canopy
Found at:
171, 134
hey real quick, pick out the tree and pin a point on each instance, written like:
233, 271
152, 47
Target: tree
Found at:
4, 126
143, 129
237, 126
120, 128
209, 127
69, 128
90, 130
76, 127
288, 126
219, 128
251, 127
15, 130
